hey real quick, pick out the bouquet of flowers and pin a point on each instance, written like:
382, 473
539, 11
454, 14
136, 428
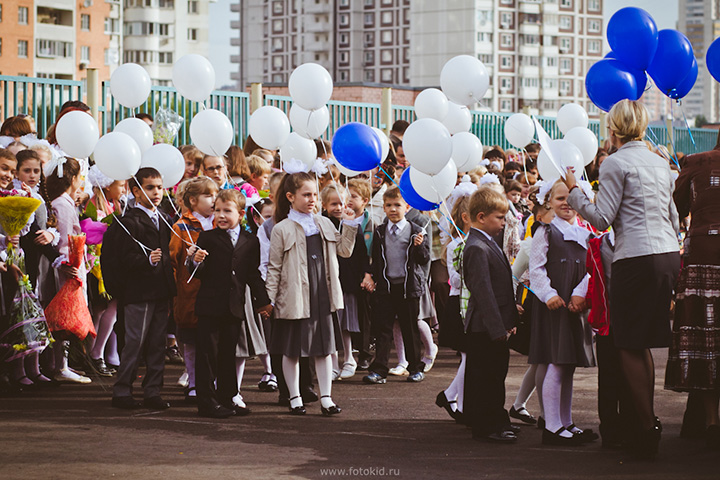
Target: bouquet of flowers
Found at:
68, 311
16, 209
166, 125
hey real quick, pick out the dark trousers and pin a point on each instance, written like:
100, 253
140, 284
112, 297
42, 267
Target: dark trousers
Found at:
615, 407
485, 372
440, 288
361, 340
145, 328
406, 310
215, 359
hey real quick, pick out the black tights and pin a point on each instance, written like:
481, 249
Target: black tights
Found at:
639, 370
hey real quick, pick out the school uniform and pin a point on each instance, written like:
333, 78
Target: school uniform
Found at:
491, 313
232, 265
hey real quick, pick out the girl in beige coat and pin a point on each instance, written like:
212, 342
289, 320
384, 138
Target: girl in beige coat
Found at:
303, 284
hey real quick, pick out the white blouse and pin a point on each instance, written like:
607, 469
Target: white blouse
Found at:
455, 278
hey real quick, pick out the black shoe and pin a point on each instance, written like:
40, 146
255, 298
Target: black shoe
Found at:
586, 435
523, 415
416, 377
192, 399
374, 378
442, 402
497, 437
647, 443
283, 401
172, 355
541, 423
327, 412
98, 364
216, 411
712, 437
309, 395
126, 403
156, 403
364, 364
550, 438
297, 410
240, 411
512, 428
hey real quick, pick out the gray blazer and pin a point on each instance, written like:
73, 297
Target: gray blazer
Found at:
635, 197
487, 274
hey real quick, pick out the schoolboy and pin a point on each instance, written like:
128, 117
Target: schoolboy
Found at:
400, 259
146, 290
227, 259
260, 170
490, 319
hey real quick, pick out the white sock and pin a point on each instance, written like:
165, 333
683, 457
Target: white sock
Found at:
291, 371
566, 398
426, 337
265, 360
399, 345
527, 387
19, 372
111, 351
189, 356
238, 400
334, 362
552, 386
540, 371
456, 390
323, 370
105, 324
32, 367
60, 354
347, 348
239, 369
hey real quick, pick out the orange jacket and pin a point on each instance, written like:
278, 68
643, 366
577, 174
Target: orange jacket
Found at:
184, 303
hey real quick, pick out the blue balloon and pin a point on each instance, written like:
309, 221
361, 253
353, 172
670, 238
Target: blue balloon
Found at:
412, 197
640, 75
608, 81
673, 60
633, 36
357, 147
712, 59
687, 84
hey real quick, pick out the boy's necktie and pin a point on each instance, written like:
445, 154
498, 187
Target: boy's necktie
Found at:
394, 230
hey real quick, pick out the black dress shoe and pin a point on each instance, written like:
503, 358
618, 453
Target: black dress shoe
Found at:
240, 411
126, 403
442, 402
298, 410
512, 428
364, 364
586, 435
328, 412
98, 364
309, 395
550, 438
497, 437
541, 423
523, 415
156, 403
216, 411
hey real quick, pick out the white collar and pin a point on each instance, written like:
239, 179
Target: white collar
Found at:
150, 213
484, 233
400, 225
305, 220
572, 232
205, 222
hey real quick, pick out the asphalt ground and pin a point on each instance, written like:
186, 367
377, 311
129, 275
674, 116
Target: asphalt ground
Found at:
392, 430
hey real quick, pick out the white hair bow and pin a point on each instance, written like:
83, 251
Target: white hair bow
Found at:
295, 166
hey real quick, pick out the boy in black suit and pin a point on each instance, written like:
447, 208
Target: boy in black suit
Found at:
490, 319
147, 288
227, 259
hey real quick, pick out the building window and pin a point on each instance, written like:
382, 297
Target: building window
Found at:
369, 75
564, 87
369, 39
168, 4
551, 61
277, 44
85, 22
22, 48
506, 19
531, 39
386, 75
593, 26
387, 18
277, 8
343, 75
506, 106
593, 5
165, 58
369, 19
164, 30
112, 26
506, 61
23, 16
593, 46
85, 54
386, 56
0, 12
192, 6
484, 37
530, 82
277, 62
344, 57
565, 44
565, 65
369, 57
485, 58
565, 22
506, 41
387, 37
192, 34
344, 39
344, 20
505, 84
566, 3
277, 26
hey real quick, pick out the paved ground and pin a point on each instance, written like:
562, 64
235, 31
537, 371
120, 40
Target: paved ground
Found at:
391, 430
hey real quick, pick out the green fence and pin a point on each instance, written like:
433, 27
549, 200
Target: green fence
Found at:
42, 98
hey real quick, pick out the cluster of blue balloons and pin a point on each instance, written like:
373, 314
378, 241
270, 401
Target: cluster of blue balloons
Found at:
712, 59
638, 50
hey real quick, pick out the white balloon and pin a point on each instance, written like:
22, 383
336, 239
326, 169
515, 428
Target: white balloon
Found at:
300, 148
167, 160
384, 143
519, 130
117, 155
130, 85
77, 133
464, 80
431, 103
269, 127
194, 77
211, 132
571, 115
585, 140
467, 151
307, 123
435, 188
139, 130
310, 86
566, 154
427, 145
458, 119
345, 171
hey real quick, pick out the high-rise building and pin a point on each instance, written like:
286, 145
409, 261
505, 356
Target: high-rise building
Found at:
537, 52
158, 32
700, 21
59, 38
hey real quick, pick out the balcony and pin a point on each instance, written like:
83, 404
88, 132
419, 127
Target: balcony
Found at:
235, 41
235, 24
530, 93
235, 7
529, 71
549, 29
529, 7
234, 58
530, 28
531, 50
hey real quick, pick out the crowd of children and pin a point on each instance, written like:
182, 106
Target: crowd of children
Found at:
242, 259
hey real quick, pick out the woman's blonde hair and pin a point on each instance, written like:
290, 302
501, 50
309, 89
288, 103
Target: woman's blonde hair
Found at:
629, 120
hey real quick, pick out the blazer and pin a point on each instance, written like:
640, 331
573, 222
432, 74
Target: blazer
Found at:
487, 275
225, 273
143, 281
287, 278
697, 192
635, 197
188, 228
353, 268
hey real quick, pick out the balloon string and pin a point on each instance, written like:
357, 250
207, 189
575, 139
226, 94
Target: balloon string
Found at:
687, 125
117, 219
672, 137
191, 243
526, 157
660, 150
172, 204
442, 203
387, 175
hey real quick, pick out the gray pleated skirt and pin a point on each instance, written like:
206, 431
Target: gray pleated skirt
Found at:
348, 316
252, 335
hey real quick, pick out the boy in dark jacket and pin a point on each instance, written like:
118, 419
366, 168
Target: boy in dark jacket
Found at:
400, 259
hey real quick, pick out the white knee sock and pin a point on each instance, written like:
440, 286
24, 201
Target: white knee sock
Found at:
291, 371
426, 337
527, 387
540, 371
111, 352
60, 354
334, 362
552, 392
456, 390
239, 370
399, 345
106, 322
32, 367
323, 370
265, 360
566, 396
347, 348
19, 372
189, 356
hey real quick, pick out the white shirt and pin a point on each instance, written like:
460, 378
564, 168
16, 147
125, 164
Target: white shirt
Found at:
400, 226
455, 278
154, 217
305, 220
205, 222
234, 233
264, 252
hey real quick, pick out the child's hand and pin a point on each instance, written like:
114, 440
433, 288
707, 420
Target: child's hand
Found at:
15, 240
520, 309
348, 214
418, 239
512, 331
555, 303
17, 273
26, 189
156, 256
69, 270
265, 311
43, 237
367, 283
577, 304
